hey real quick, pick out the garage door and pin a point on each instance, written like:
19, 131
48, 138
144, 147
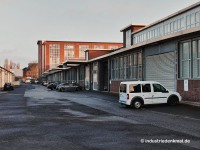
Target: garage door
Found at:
161, 68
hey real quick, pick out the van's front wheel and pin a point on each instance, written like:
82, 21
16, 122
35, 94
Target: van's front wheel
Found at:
137, 104
173, 100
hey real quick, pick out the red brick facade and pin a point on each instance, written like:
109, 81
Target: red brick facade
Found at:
193, 93
44, 51
114, 86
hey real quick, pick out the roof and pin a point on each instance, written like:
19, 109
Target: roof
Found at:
130, 25
43, 41
166, 37
75, 61
99, 50
7, 70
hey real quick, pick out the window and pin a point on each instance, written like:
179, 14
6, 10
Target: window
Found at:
126, 67
146, 88
182, 23
188, 21
134, 88
196, 58
112, 47
68, 51
54, 55
117, 68
171, 27
158, 88
185, 60
192, 20
128, 38
139, 65
123, 88
175, 26
197, 18
121, 68
148, 35
113, 70
134, 66
82, 49
190, 59
178, 25
98, 47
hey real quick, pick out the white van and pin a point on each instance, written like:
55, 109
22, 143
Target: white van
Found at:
138, 93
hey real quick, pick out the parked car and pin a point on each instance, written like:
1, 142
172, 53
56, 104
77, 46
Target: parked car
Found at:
44, 83
36, 82
59, 86
32, 81
139, 93
53, 85
28, 81
70, 87
8, 87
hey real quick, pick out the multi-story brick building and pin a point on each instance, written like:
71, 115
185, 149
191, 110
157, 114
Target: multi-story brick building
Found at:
52, 53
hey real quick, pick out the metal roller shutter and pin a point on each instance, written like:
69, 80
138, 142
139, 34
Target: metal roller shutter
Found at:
161, 68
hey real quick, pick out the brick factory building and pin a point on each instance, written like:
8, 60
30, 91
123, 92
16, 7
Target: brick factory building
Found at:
52, 53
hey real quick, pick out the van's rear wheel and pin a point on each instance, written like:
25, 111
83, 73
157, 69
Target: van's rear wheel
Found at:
137, 104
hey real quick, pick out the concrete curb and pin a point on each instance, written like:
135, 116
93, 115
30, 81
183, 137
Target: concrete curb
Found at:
195, 104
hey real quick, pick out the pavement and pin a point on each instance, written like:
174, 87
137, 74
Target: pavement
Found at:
195, 104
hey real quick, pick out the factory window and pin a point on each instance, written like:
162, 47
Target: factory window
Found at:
54, 55
68, 51
112, 47
185, 55
190, 59
127, 67
82, 49
197, 18
196, 58
98, 47
128, 38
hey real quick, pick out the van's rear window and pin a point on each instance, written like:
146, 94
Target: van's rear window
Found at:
123, 88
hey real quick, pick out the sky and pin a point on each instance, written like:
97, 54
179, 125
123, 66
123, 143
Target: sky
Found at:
24, 22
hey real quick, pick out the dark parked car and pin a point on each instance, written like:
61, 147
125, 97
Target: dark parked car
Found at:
53, 85
70, 87
58, 87
8, 87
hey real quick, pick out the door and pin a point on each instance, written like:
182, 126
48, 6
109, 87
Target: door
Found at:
147, 93
123, 92
87, 78
160, 94
95, 81
161, 68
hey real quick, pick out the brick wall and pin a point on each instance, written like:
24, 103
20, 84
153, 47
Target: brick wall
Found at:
114, 86
193, 93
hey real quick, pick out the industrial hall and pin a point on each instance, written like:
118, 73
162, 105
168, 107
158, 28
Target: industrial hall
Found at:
167, 51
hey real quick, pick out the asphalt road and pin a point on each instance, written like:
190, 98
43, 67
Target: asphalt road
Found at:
32, 117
